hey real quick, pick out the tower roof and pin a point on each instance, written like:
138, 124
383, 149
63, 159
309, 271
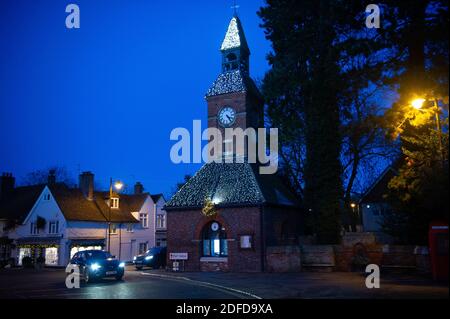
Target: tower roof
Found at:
232, 82
231, 184
235, 37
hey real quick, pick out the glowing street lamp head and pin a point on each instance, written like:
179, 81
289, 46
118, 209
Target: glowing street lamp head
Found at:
352, 205
417, 103
118, 185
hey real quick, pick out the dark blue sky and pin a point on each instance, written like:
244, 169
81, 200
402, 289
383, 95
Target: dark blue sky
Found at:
106, 96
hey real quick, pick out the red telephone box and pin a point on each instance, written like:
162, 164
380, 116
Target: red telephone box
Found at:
438, 241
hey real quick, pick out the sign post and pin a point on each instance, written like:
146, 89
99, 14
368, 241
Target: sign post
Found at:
176, 257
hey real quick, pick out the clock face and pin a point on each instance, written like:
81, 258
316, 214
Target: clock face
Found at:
227, 116
214, 226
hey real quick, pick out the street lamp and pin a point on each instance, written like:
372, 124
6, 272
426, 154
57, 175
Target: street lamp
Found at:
118, 185
418, 104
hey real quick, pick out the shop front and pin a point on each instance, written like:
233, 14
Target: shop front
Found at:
46, 249
80, 244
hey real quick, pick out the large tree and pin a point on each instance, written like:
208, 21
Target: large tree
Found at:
302, 91
418, 31
321, 93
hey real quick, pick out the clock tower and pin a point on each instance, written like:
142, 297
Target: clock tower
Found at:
233, 100
227, 215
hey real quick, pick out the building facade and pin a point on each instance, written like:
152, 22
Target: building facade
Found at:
55, 221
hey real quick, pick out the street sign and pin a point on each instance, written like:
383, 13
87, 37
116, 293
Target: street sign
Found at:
178, 256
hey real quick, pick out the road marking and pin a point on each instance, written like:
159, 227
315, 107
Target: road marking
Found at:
203, 283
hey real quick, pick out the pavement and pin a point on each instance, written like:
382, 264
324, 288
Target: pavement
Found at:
159, 284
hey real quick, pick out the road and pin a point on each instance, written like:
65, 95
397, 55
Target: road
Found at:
50, 283
159, 284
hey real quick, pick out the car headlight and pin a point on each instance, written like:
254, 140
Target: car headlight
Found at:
95, 266
148, 257
121, 265
134, 258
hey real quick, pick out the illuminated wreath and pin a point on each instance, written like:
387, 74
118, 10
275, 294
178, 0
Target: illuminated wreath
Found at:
209, 208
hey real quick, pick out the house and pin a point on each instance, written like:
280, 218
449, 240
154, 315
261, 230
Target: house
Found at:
161, 220
372, 204
56, 221
227, 214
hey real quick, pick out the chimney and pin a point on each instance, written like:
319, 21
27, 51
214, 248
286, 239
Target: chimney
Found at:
86, 184
138, 188
51, 179
6, 184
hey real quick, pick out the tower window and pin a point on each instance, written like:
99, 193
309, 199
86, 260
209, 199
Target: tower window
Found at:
231, 62
231, 57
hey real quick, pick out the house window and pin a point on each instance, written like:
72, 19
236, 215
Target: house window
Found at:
143, 247
47, 197
51, 256
130, 228
214, 240
114, 202
53, 227
24, 252
161, 221
246, 242
113, 229
34, 230
144, 220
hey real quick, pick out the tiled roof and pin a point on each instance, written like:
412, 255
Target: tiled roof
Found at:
235, 37
379, 188
19, 203
231, 184
73, 204
127, 205
232, 82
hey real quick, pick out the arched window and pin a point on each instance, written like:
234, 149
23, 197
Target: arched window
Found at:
214, 240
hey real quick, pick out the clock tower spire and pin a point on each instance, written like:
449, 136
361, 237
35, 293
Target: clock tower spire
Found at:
234, 49
233, 100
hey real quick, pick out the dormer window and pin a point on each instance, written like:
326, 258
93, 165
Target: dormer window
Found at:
34, 230
114, 202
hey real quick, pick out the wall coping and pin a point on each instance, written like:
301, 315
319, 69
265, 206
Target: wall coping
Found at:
214, 259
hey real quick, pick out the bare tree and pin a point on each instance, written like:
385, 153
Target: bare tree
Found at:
40, 176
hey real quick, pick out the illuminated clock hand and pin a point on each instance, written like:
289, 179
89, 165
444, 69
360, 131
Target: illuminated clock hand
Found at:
228, 117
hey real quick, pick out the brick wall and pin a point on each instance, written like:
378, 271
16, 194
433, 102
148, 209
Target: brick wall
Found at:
283, 259
184, 235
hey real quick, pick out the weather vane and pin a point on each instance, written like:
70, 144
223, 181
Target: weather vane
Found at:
235, 7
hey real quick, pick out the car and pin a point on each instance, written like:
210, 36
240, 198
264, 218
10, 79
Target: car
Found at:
98, 264
154, 258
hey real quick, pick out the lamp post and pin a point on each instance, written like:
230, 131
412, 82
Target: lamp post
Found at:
118, 185
418, 104
355, 214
